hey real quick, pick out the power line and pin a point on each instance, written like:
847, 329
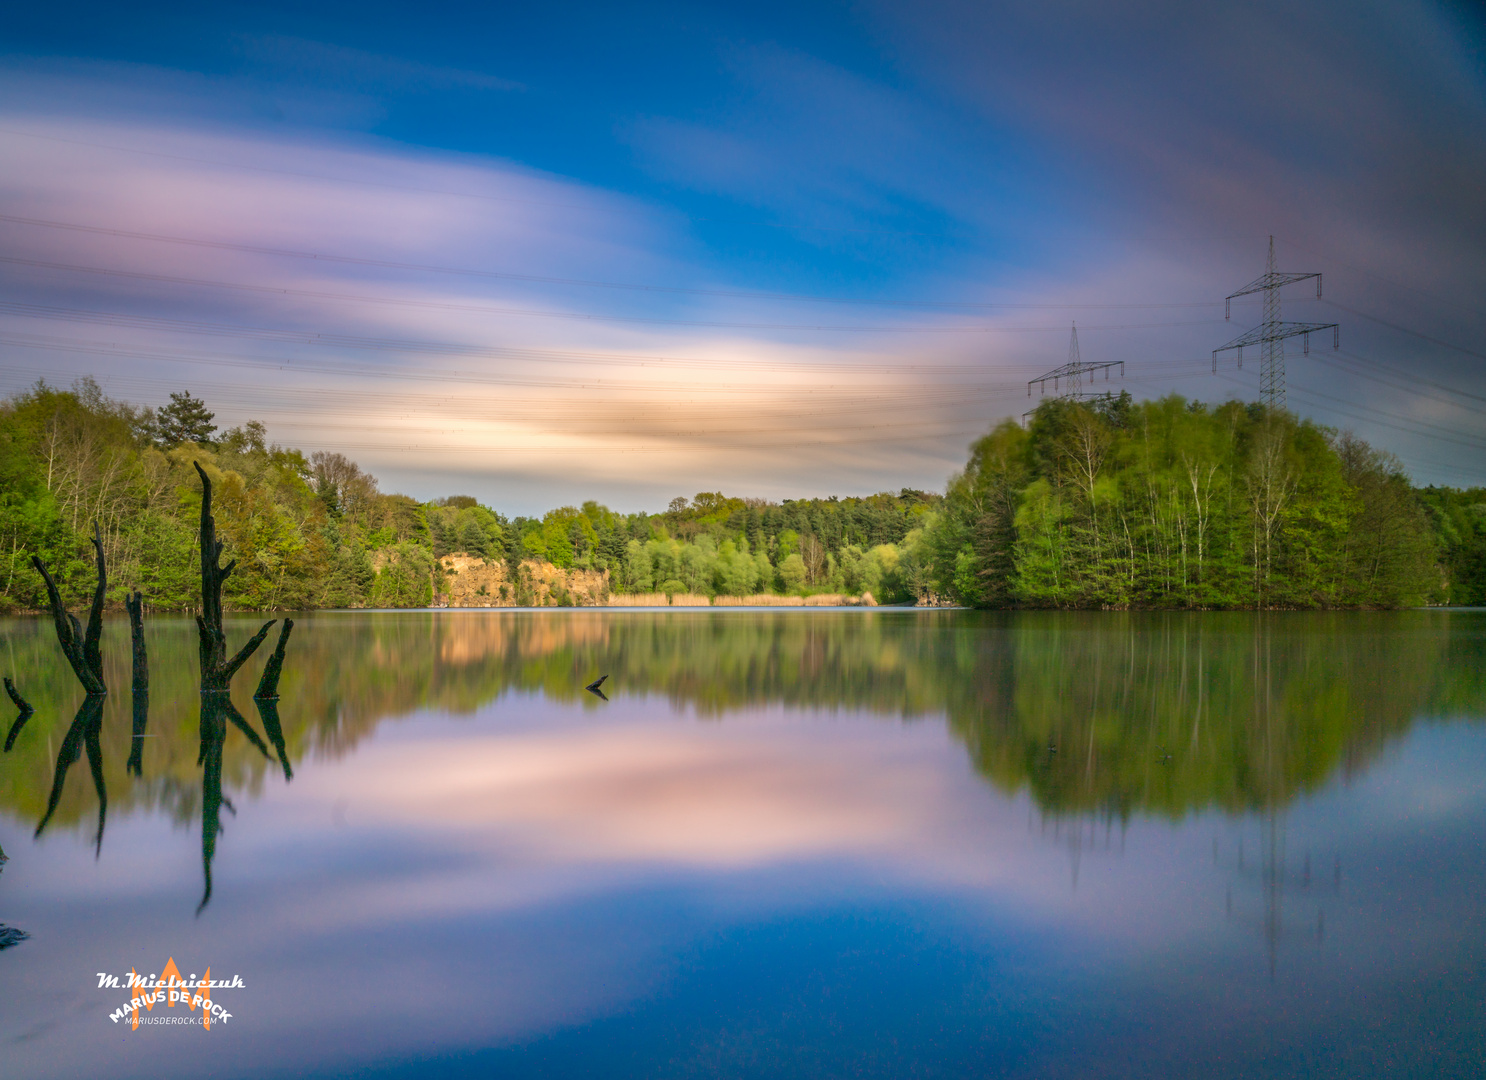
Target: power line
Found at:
592, 207
438, 305
297, 365
745, 294
1411, 376
1445, 434
1474, 445
1406, 330
362, 182
1427, 294
728, 400
329, 339
1351, 367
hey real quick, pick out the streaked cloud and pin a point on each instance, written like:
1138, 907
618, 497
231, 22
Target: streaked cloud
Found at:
848, 250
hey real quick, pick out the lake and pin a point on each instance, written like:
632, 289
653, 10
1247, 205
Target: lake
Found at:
810, 843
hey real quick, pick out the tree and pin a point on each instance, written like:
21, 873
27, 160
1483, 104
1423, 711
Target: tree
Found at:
251, 438
185, 419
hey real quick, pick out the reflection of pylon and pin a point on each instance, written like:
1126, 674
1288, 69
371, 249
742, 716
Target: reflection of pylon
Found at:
1271, 334
1275, 883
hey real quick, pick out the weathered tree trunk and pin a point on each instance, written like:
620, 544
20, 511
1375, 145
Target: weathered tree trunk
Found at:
216, 678
140, 682
80, 647
216, 669
25, 713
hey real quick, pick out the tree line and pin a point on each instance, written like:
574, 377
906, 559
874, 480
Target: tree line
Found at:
316, 531
1105, 503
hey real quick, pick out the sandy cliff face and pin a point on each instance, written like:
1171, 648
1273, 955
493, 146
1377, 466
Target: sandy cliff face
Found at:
470, 581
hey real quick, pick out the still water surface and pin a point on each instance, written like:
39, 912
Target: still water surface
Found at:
801, 843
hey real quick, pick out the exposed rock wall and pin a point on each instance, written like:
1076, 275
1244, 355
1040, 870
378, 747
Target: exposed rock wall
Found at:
470, 581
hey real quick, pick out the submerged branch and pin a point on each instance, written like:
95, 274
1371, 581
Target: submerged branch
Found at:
230, 668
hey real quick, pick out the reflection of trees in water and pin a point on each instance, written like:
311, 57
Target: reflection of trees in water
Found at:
1172, 714
1250, 709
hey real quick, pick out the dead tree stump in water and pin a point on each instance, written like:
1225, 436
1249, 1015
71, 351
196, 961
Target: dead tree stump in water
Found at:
216, 669
135, 603
80, 647
268, 685
140, 682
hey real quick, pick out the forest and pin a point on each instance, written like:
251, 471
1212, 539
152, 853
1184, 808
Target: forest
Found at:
1106, 503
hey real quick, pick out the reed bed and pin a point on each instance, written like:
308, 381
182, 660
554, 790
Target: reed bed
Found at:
759, 600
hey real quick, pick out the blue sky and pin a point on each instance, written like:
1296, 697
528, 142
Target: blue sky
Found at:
628, 252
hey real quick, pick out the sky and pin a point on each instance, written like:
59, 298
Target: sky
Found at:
547, 253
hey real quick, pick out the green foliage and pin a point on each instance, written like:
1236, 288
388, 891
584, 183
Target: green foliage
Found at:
1170, 503
1105, 504
405, 579
186, 420
1459, 519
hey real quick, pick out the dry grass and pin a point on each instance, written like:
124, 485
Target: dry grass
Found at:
638, 600
759, 600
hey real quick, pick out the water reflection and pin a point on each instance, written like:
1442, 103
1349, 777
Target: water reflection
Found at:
1277, 886
9, 935
1090, 821
139, 731
24, 713
214, 712
217, 711
1096, 717
268, 715
82, 735
1104, 715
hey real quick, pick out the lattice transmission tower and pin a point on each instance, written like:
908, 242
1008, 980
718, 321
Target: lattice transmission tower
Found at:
1073, 373
1270, 335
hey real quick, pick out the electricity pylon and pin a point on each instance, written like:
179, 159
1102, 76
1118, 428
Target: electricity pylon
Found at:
1073, 372
1271, 334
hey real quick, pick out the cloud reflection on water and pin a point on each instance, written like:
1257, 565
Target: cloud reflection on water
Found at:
516, 860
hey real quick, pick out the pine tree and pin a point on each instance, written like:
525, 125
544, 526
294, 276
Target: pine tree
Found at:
185, 419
